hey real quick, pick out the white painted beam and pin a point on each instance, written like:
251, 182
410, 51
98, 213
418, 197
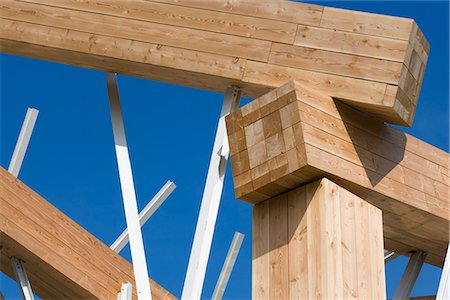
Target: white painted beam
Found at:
128, 191
22, 279
409, 276
145, 214
126, 292
444, 283
228, 265
212, 194
389, 255
23, 141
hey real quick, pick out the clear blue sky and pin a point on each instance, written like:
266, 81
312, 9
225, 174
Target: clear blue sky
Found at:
170, 130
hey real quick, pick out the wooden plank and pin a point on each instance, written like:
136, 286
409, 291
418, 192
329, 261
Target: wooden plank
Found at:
212, 44
357, 90
181, 16
366, 23
308, 223
278, 246
335, 63
298, 243
144, 31
57, 248
260, 252
351, 43
300, 13
406, 178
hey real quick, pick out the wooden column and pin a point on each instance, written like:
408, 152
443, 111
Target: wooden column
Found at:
318, 241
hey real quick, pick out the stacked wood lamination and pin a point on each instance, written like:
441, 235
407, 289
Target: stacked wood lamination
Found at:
292, 136
63, 260
373, 62
318, 241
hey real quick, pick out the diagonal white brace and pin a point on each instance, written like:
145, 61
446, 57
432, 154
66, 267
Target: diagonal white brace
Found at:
409, 276
22, 279
23, 141
390, 255
128, 191
126, 292
444, 283
212, 193
145, 214
228, 265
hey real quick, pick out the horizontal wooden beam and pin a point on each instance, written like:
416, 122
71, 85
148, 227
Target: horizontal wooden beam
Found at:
293, 135
63, 260
373, 62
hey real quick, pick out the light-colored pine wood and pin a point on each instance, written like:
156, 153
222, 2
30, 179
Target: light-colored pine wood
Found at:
335, 63
301, 13
196, 18
214, 44
73, 262
405, 177
260, 252
368, 23
351, 43
334, 243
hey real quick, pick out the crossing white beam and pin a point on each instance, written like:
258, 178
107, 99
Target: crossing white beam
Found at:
145, 214
126, 292
22, 279
128, 191
444, 283
409, 276
228, 265
23, 141
212, 193
389, 255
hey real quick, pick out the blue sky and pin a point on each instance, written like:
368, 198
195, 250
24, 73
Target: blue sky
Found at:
170, 131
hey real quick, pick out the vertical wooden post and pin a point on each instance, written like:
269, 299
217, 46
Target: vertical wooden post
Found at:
318, 241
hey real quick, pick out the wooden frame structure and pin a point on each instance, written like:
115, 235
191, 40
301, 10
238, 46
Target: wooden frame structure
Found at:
326, 82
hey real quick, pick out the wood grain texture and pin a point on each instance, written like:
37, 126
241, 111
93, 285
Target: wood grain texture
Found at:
62, 259
405, 177
351, 56
333, 240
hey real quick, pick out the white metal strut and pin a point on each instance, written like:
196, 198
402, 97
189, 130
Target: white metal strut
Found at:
389, 255
228, 265
409, 276
444, 283
145, 214
21, 276
128, 191
23, 141
126, 292
212, 193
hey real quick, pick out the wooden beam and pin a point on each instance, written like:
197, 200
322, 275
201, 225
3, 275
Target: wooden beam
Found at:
373, 62
63, 260
292, 136
318, 241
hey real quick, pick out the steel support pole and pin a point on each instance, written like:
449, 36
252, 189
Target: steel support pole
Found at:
389, 255
23, 141
444, 283
409, 276
212, 193
145, 214
128, 191
22, 279
126, 292
228, 265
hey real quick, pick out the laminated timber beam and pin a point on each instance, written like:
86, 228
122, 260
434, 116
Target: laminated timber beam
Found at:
292, 136
373, 62
318, 241
63, 260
